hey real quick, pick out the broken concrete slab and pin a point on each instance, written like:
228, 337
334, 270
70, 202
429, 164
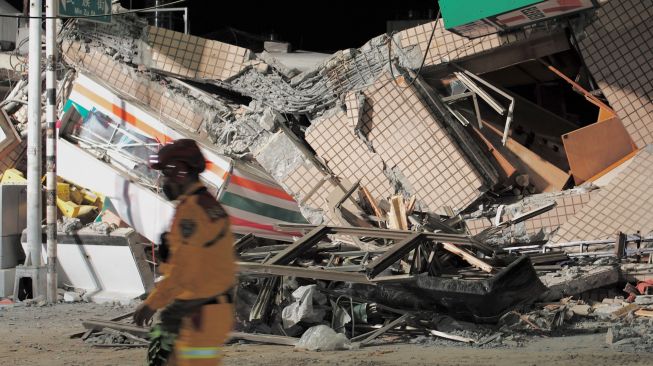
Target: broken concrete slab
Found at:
581, 310
644, 300
622, 206
206, 59
270, 119
635, 272
345, 154
400, 127
297, 171
572, 281
70, 296
539, 228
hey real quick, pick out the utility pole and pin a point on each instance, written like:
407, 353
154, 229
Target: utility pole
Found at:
34, 136
51, 55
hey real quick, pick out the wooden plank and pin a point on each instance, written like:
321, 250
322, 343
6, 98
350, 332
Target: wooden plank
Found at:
451, 336
644, 312
99, 324
589, 96
592, 149
119, 345
545, 176
468, 257
399, 321
123, 316
395, 253
625, 310
372, 202
126, 335
397, 215
87, 334
314, 273
265, 338
528, 214
410, 206
508, 169
304, 243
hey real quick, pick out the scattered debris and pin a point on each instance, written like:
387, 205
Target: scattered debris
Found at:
389, 192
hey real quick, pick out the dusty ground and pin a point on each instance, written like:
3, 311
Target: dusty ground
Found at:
40, 336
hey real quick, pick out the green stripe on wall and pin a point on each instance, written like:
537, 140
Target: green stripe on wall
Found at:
260, 208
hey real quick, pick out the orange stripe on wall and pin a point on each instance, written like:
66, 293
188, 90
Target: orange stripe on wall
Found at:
122, 114
217, 170
141, 125
259, 187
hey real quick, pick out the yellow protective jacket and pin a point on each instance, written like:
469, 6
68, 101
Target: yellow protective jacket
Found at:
201, 262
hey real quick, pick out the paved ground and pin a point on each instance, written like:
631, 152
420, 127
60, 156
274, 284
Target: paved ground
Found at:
40, 336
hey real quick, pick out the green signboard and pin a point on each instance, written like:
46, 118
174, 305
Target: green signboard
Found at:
93, 10
477, 18
456, 12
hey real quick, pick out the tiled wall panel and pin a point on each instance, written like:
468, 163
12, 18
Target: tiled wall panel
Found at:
447, 46
194, 57
404, 134
618, 50
623, 205
334, 140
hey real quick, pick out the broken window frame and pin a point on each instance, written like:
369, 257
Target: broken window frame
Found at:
118, 157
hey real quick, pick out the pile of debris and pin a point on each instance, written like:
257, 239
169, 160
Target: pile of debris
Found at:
428, 174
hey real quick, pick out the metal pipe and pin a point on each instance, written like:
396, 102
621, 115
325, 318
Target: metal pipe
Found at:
157, 21
51, 147
34, 135
480, 92
186, 26
596, 242
511, 108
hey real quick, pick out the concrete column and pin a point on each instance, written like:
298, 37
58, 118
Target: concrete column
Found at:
34, 135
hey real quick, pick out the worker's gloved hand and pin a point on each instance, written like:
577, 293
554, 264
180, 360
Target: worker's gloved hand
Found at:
143, 315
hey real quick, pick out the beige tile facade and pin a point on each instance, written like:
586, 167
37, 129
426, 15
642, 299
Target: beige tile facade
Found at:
140, 88
404, 134
194, 57
623, 205
334, 140
618, 50
447, 46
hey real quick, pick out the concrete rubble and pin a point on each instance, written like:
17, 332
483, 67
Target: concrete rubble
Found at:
426, 186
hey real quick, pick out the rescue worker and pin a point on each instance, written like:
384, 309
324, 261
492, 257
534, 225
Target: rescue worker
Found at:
199, 270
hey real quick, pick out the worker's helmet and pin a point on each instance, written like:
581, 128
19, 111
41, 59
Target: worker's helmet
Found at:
182, 150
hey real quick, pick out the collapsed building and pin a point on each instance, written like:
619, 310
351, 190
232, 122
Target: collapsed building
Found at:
433, 169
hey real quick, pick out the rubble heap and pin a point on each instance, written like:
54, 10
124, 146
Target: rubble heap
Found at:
426, 176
